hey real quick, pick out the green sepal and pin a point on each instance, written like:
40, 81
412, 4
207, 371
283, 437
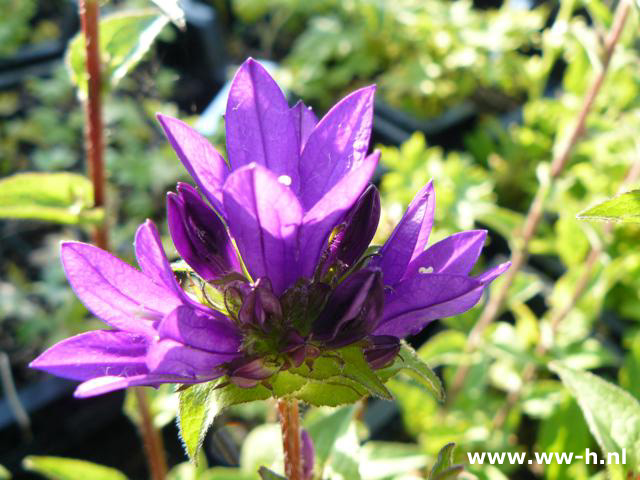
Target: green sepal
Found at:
407, 359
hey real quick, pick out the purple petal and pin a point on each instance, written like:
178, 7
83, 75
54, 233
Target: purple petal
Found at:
331, 210
168, 357
352, 311
207, 331
418, 300
114, 291
456, 254
260, 129
408, 238
304, 120
493, 273
102, 385
95, 354
152, 259
264, 218
199, 235
308, 454
205, 165
337, 145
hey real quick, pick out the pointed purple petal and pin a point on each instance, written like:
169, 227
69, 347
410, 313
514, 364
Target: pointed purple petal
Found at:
493, 273
408, 238
456, 254
199, 235
416, 301
102, 385
264, 218
304, 120
331, 210
205, 165
258, 123
114, 291
207, 331
361, 226
337, 145
152, 259
168, 357
95, 354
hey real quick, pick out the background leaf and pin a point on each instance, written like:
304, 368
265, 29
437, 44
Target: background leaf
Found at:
58, 468
623, 208
53, 197
613, 415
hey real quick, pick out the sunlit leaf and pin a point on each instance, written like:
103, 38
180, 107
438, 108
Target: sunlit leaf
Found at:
59, 468
624, 208
613, 415
125, 38
52, 197
380, 460
444, 468
266, 474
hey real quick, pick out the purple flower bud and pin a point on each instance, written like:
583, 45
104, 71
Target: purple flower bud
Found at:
199, 235
382, 351
361, 226
247, 373
308, 455
259, 304
353, 310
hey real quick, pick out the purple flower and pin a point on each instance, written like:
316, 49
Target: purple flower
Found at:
277, 246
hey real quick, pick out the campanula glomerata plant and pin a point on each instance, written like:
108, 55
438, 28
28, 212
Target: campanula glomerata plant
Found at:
279, 293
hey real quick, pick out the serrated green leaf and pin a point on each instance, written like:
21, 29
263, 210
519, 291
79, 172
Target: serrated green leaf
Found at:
444, 468
197, 409
52, 197
124, 40
59, 468
266, 474
407, 359
624, 208
332, 392
358, 370
612, 414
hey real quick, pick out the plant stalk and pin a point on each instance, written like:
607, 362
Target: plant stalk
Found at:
496, 302
89, 11
291, 440
94, 143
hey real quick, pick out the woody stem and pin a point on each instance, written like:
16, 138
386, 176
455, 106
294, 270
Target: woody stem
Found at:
290, 424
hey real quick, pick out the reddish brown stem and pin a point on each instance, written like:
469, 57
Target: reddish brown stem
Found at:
290, 424
496, 302
153, 445
89, 15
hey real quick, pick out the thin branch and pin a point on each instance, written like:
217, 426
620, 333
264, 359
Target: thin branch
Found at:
10, 392
496, 302
152, 440
290, 425
89, 15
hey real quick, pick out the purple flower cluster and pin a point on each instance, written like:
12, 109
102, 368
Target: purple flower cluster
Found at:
282, 235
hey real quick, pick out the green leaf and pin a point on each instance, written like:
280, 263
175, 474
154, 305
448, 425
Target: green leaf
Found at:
262, 447
381, 460
407, 359
197, 409
4, 473
124, 40
357, 369
53, 197
163, 404
325, 430
444, 467
58, 468
624, 208
266, 474
612, 414
333, 392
